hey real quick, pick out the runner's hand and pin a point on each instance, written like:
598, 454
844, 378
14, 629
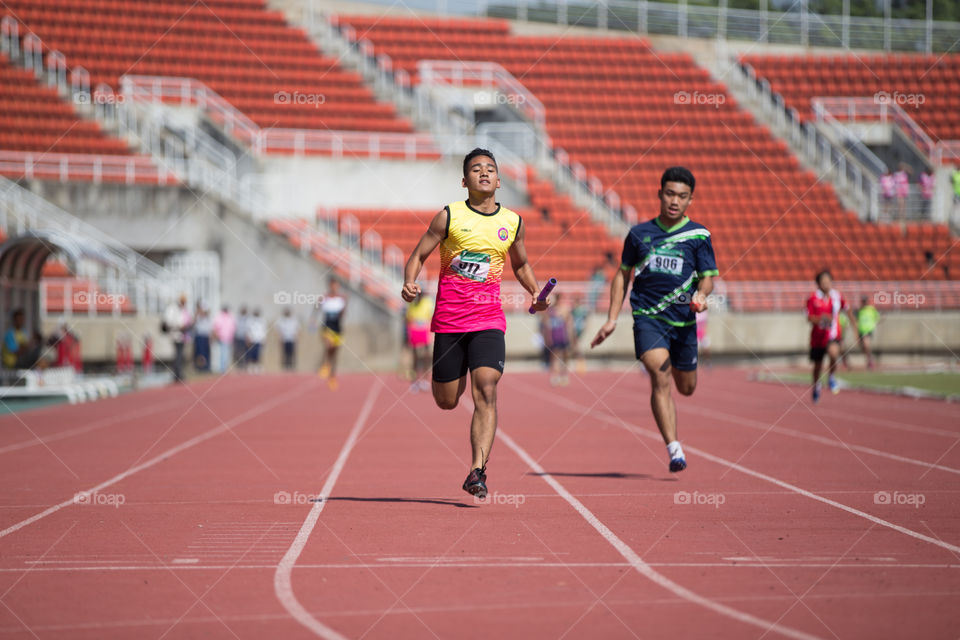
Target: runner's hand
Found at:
698, 302
604, 333
540, 305
410, 291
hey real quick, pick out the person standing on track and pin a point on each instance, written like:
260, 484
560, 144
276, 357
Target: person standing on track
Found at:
823, 311
673, 266
474, 237
332, 310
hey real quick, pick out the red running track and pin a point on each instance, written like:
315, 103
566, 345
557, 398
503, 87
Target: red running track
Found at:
835, 521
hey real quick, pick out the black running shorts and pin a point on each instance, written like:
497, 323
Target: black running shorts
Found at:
455, 353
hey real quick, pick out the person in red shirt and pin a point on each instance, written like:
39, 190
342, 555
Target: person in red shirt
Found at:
823, 311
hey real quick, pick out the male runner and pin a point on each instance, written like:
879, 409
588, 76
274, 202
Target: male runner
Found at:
474, 237
823, 311
671, 258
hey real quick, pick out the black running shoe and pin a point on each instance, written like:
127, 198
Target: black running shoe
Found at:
476, 483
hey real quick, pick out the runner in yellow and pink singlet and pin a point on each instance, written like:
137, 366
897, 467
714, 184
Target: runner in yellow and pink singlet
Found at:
474, 236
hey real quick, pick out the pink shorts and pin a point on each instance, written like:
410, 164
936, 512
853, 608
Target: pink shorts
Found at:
418, 335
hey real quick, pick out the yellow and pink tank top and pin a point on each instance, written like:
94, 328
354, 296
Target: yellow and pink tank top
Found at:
472, 257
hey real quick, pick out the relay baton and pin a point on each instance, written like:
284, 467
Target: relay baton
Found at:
547, 288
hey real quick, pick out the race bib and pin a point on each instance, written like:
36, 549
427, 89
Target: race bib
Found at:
667, 264
471, 265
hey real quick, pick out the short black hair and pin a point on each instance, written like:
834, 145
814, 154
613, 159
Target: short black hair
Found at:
825, 272
678, 174
473, 154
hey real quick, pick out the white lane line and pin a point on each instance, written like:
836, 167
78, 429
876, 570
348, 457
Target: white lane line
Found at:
637, 562
282, 579
193, 565
787, 431
226, 426
574, 406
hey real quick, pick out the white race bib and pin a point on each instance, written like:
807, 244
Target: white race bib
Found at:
667, 264
472, 265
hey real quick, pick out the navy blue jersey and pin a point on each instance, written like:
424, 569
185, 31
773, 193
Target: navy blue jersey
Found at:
667, 265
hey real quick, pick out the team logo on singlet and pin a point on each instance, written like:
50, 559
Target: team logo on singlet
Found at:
503, 234
472, 265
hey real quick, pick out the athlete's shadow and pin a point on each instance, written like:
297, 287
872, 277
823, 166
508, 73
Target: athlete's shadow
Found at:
441, 501
608, 474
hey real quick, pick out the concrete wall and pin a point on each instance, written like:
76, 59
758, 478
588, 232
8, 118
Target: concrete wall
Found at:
299, 185
760, 334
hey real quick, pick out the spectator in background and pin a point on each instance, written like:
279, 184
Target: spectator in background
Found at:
176, 323
240, 339
888, 190
597, 284
557, 328
224, 330
66, 344
578, 315
955, 180
289, 328
901, 180
19, 351
419, 314
256, 334
867, 319
927, 183
202, 328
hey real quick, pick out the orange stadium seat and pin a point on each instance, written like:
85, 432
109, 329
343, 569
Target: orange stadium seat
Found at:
626, 112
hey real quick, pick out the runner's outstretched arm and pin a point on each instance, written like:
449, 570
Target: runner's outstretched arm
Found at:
618, 291
524, 271
434, 235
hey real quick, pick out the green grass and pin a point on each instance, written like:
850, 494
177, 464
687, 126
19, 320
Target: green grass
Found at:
941, 382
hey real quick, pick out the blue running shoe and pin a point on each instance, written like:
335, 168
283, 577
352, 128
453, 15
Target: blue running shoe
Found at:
816, 393
678, 464
832, 383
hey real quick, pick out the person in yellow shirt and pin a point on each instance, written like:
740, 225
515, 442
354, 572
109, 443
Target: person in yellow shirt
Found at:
419, 314
19, 351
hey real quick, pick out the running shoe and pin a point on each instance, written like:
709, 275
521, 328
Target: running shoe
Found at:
678, 464
476, 483
834, 386
816, 393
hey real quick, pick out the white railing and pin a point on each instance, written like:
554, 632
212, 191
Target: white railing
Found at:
122, 275
341, 249
835, 159
485, 75
188, 92
883, 107
67, 167
797, 27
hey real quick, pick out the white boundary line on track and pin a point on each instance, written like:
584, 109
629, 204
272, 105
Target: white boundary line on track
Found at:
637, 562
183, 446
282, 578
574, 406
795, 433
